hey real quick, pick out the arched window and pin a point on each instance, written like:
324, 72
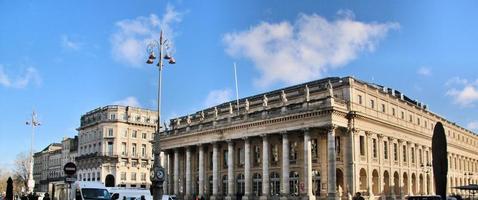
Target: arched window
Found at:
275, 183
315, 183
224, 185
294, 183
240, 184
257, 184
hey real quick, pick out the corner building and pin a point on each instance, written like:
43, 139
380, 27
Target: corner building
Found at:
325, 139
114, 146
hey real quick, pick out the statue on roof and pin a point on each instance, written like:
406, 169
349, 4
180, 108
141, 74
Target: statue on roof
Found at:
246, 106
264, 101
330, 88
231, 110
216, 112
202, 115
188, 119
307, 93
283, 97
178, 121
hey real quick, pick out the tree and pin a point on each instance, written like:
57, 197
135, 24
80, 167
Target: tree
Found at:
20, 172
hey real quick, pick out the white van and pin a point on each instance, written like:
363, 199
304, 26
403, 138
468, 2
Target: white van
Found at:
130, 193
81, 190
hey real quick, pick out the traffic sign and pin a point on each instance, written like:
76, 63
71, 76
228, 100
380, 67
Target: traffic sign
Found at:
69, 169
70, 179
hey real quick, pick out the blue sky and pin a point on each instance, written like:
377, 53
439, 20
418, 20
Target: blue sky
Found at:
64, 58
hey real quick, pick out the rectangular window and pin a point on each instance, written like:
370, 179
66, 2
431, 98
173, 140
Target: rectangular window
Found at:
125, 133
410, 119
135, 133
362, 145
404, 153
225, 157
372, 104
133, 176
412, 157
385, 150
420, 156
112, 116
143, 150
110, 148
314, 149
241, 157
257, 155
418, 121
359, 97
403, 115
337, 144
143, 176
110, 132
374, 148
123, 148
133, 149
395, 152
123, 176
393, 111
383, 107
145, 135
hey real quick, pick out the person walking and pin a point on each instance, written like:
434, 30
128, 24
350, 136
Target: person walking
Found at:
47, 196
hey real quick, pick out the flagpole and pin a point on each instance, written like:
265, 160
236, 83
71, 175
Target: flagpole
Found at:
237, 88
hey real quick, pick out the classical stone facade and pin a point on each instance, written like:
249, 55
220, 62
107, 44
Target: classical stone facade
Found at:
115, 146
48, 164
325, 139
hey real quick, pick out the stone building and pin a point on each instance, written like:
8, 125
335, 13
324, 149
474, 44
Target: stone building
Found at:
48, 166
115, 146
323, 139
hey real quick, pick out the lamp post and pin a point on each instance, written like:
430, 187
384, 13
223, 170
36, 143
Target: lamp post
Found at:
33, 123
158, 174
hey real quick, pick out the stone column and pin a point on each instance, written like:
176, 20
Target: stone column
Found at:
201, 170
215, 171
285, 167
230, 170
368, 139
247, 169
165, 165
409, 164
349, 163
265, 168
332, 179
307, 166
188, 173
171, 173
176, 172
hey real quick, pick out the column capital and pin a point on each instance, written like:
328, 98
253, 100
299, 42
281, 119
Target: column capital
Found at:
369, 133
306, 129
380, 136
331, 126
229, 141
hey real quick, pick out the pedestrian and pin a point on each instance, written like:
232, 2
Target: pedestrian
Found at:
202, 198
358, 196
47, 196
142, 197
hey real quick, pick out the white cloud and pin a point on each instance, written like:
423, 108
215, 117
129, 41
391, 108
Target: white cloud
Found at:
128, 101
424, 71
67, 43
467, 92
292, 53
28, 76
472, 125
216, 97
130, 41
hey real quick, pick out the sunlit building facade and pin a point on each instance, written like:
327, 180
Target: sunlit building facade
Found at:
325, 139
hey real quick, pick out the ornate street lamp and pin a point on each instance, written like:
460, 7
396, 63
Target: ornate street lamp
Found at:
33, 123
157, 174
